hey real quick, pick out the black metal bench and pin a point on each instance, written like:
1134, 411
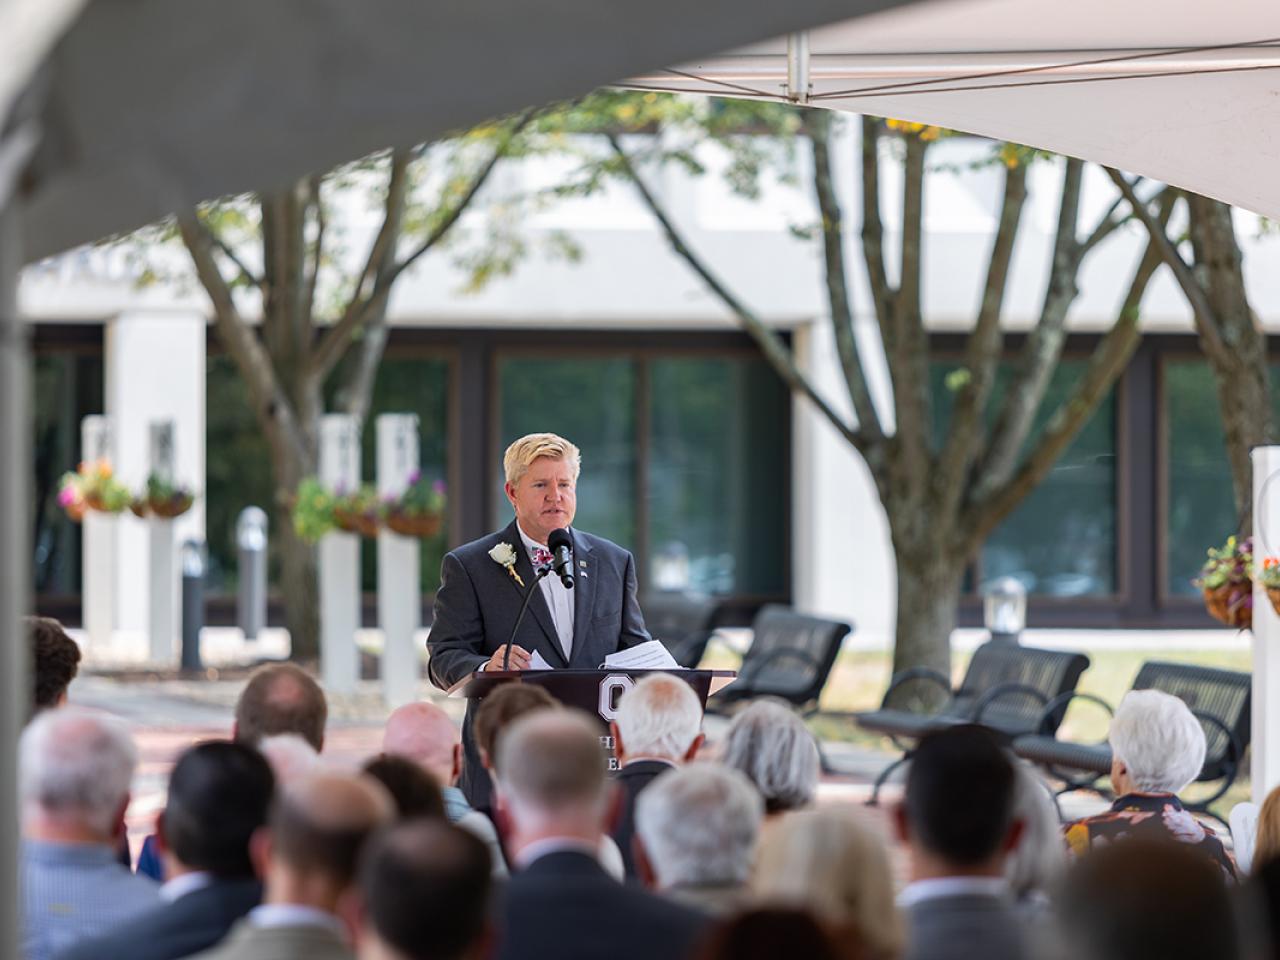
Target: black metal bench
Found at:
1220, 699
790, 657
1007, 687
683, 621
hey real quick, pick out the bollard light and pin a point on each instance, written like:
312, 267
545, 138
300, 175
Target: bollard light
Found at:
193, 567
251, 550
1004, 608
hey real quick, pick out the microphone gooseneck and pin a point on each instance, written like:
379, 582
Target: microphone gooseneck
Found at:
561, 546
538, 574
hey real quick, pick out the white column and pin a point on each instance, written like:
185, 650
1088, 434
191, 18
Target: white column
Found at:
339, 560
399, 560
154, 368
1265, 769
162, 570
98, 544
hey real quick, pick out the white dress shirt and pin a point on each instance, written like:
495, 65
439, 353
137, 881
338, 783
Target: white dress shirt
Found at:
559, 598
937, 887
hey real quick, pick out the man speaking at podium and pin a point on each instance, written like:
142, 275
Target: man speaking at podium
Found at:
483, 584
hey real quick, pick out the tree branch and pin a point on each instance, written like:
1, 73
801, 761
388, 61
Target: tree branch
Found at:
771, 345
1043, 348
1105, 367
225, 249
982, 354
269, 399
817, 125
882, 294
316, 202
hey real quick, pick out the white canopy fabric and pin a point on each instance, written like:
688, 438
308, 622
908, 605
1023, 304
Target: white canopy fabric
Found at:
156, 104
1180, 91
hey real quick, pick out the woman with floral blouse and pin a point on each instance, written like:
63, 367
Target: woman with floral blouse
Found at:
1157, 748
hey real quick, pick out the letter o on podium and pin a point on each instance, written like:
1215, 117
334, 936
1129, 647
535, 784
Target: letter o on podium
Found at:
613, 687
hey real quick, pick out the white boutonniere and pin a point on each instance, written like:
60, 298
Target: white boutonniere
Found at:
505, 554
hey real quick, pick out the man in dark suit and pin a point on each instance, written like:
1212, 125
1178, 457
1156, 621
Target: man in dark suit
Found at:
957, 820
482, 586
219, 794
658, 727
553, 797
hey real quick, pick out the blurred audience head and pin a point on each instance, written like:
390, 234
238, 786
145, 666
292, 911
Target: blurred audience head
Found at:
958, 811
414, 791
281, 698
424, 893
55, 660
1157, 744
318, 826
1147, 900
219, 795
74, 773
833, 863
776, 751
500, 709
425, 734
660, 718
1036, 864
551, 779
767, 933
698, 825
290, 756
1266, 846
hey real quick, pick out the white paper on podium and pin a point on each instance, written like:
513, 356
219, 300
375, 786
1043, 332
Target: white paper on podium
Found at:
538, 662
647, 656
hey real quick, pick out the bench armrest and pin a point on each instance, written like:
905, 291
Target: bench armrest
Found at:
1233, 742
1004, 690
1061, 702
915, 673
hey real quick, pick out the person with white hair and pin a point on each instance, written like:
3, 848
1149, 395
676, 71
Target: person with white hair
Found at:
658, 727
1035, 866
771, 745
75, 769
697, 828
554, 796
1157, 749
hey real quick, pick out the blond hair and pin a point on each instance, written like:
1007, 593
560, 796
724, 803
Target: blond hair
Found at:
1267, 845
533, 446
831, 862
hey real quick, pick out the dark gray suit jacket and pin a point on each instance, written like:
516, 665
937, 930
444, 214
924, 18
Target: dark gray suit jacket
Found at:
193, 922
477, 605
964, 926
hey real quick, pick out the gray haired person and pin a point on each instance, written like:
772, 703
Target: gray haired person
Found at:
1157, 749
74, 773
775, 750
698, 827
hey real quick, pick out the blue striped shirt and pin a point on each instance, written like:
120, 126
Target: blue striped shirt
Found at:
75, 890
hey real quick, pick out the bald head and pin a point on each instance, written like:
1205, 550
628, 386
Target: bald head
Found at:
425, 734
551, 765
322, 821
281, 698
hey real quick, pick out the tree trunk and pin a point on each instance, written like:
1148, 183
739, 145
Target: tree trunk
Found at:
928, 596
1234, 344
299, 569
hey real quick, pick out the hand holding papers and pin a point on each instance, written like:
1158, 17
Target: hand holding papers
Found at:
646, 656
538, 662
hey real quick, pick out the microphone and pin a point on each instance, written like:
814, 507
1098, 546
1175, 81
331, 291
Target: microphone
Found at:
561, 546
538, 574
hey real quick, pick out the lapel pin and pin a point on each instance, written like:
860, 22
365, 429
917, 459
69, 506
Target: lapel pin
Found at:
582, 564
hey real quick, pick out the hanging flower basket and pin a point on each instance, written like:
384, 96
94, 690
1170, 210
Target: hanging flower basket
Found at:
138, 506
92, 486
419, 511
1232, 605
420, 525
354, 521
1269, 579
1227, 583
170, 507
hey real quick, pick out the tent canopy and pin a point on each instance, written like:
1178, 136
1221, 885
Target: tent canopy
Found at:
1178, 91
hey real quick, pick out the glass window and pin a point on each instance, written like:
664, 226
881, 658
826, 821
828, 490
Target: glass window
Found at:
67, 387
1061, 540
591, 402
1200, 512
717, 476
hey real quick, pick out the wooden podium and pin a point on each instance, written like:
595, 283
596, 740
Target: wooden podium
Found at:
594, 691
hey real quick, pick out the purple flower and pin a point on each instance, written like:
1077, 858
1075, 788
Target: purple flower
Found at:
438, 487
414, 478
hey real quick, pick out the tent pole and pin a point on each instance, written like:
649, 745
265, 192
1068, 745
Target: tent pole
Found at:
15, 582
